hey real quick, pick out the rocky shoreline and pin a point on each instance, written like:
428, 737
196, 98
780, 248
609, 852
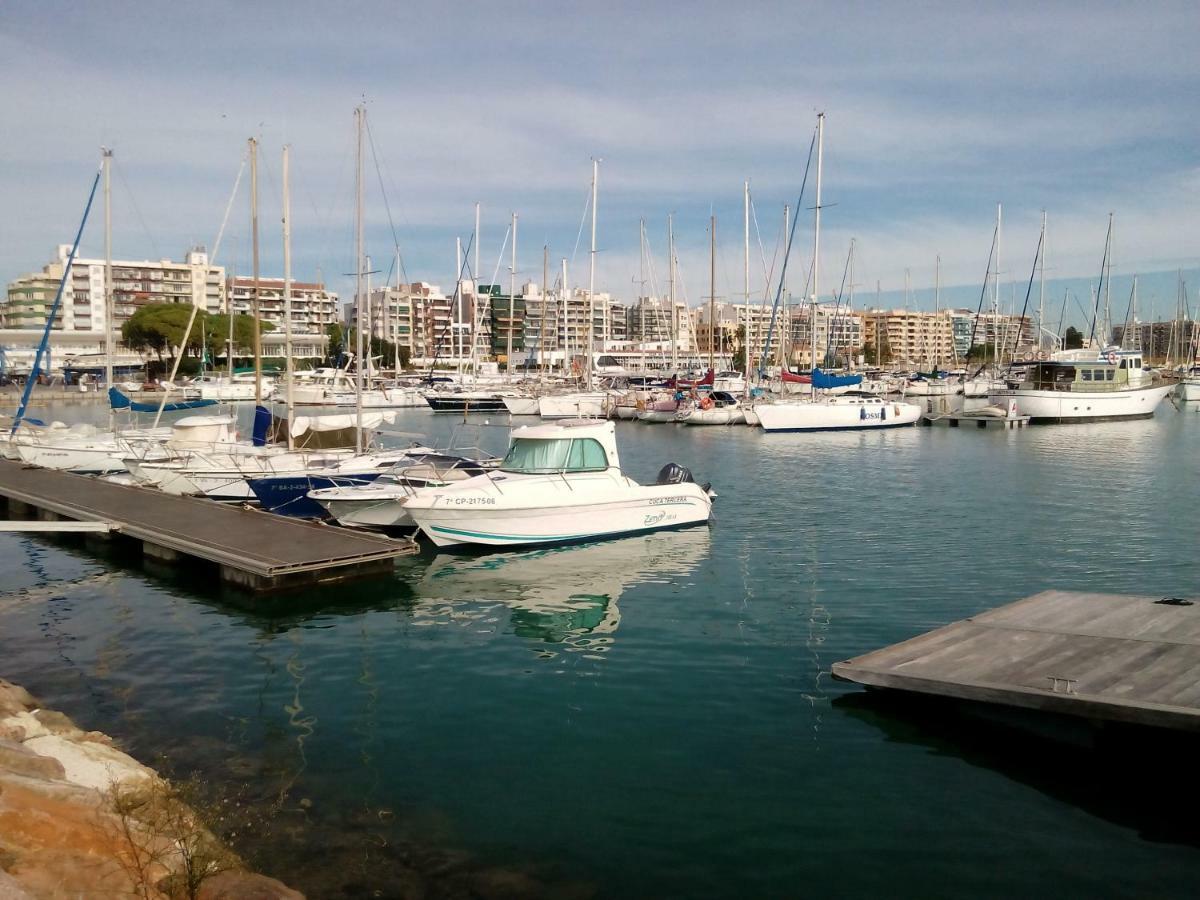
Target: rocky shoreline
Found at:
78, 817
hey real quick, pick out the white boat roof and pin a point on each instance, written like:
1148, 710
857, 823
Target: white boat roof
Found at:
567, 428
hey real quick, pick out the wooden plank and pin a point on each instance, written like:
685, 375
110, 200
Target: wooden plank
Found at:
244, 539
1102, 656
66, 525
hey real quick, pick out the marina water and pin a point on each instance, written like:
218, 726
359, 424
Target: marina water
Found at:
652, 716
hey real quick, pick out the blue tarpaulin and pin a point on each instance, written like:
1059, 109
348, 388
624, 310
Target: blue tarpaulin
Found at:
120, 401
825, 381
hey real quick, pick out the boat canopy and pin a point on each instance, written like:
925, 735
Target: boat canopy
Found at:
119, 401
826, 381
579, 445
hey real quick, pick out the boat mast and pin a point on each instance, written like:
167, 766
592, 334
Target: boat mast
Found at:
456, 315
937, 308
671, 293
254, 245
1042, 287
474, 297
108, 280
746, 287
1108, 285
512, 301
287, 295
545, 297
996, 296
360, 115
591, 305
816, 264
566, 319
712, 290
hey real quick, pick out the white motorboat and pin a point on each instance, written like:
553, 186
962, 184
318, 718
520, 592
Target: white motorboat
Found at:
1188, 389
521, 405
104, 452
717, 408
585, 405
559, 483
1086, 386
851, 411
380, 503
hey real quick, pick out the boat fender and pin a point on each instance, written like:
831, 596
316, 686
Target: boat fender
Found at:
883, 414
706, 403
862, 413
896, 409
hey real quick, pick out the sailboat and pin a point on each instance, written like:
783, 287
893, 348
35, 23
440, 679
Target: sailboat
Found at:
849, 411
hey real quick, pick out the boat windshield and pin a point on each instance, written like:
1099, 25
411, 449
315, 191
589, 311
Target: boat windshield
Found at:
545, 455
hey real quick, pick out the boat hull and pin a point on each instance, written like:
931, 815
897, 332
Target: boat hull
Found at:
572, 406
782, 417
1188, 390
1066, 407
670, 506
452, 404
287, 495
521, 406
727, 415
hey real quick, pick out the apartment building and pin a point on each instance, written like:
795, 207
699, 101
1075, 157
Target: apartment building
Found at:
313, 307
135, 284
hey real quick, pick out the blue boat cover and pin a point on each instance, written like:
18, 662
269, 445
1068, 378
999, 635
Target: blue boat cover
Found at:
262, 424
120, 401
822, 380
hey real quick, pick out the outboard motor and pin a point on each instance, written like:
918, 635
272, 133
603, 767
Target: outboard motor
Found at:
673, 473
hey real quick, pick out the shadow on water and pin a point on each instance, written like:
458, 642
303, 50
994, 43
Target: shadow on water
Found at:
1133, 776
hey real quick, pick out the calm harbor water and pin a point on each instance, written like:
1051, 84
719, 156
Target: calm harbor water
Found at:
653, 716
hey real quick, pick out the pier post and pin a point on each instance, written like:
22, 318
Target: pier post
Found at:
159, 554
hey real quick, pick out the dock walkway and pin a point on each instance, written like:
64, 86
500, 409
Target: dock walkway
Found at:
1100, 656
254, 549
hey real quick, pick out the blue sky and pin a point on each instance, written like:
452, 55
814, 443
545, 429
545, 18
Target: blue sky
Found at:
935, 113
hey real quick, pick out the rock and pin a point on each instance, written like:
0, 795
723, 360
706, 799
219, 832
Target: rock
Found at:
15, 757
97, 737
58, 723
90, 764
246, 886
14, 699
12, 732
26, 722
10, 889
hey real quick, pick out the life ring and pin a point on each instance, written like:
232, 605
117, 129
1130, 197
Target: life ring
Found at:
1111, 357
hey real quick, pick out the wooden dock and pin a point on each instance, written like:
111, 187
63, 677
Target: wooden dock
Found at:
1100, 656
255, 550
966, 420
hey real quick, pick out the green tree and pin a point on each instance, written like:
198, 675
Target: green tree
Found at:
160, 327
216, 333
1073, 339
981, 353
337, 339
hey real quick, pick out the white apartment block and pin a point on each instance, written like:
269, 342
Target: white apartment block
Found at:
909, 337
420, 317
732, 316
135, 284
313, 307
838, 332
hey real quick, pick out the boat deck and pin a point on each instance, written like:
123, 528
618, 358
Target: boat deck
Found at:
1099, 656
253, 549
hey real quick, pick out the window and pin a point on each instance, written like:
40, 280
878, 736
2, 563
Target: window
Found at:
1086, 374
1110, 374
541, 455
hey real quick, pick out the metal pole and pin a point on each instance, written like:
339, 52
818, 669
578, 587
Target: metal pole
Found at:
254, 244
816, 266
360, 115
108, 281
746, 286
712, 290
512, 301
287, 295
591, 306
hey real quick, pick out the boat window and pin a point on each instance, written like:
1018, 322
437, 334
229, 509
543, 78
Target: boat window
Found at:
542, 455
1110, 375
586, 455
1086, 374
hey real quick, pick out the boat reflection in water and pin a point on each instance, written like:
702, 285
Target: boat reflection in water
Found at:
561, 595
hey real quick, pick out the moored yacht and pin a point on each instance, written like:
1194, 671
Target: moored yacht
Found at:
851, 411
1085, 386
557, 484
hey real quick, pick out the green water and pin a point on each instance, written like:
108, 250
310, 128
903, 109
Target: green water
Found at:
655, 716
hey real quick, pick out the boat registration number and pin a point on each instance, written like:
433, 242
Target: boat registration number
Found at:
471, 501
663, 501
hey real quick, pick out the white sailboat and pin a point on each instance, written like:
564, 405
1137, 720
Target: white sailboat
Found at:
852, 410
